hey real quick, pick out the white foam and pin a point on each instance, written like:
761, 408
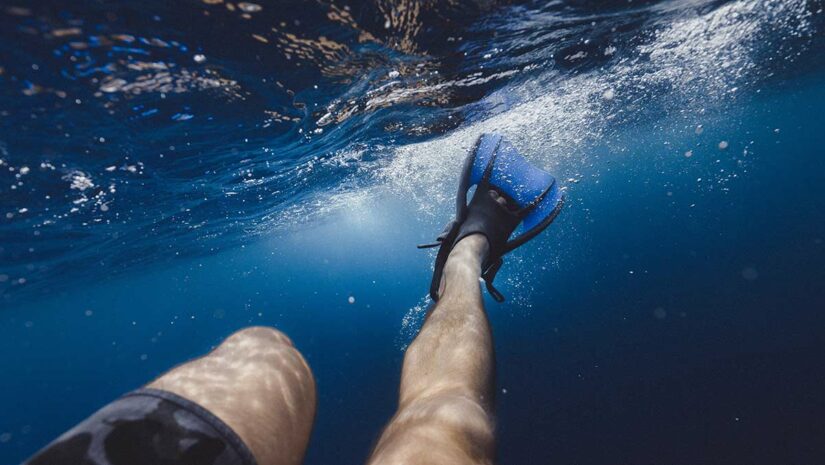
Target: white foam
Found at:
692, 64
79, 180
699, 56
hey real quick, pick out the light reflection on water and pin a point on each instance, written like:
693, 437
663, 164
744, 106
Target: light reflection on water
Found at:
135, 134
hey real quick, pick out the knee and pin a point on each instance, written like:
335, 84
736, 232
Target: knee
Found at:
263, 352
456, 412
445, 429
258, 336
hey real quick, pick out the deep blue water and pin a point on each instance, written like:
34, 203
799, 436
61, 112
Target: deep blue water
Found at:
166, 178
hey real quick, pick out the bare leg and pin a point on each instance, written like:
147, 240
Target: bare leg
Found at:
260, 386
446, 402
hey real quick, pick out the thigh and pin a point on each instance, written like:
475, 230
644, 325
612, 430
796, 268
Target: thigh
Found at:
251, 401
258, 383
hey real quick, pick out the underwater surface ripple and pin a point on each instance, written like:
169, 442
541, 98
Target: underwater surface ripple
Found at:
133, 133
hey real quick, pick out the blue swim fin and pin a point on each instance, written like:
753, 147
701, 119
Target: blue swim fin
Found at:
533, 200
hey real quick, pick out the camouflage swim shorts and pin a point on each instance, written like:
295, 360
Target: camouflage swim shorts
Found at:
148, 426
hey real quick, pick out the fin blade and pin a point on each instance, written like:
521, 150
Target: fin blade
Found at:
516, 177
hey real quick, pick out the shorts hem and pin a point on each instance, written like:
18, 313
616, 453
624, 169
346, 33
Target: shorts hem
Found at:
227, 434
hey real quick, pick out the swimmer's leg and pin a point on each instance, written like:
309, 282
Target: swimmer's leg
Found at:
251, 401
445, 412
260, 386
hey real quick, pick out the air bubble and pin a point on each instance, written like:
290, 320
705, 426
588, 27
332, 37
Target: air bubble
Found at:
248, 7
659, 313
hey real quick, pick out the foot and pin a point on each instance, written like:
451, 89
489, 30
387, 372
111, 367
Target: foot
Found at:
476, 246
509, 192
470, 252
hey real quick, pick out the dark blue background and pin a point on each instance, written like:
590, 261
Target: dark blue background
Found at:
671, 315
727, 370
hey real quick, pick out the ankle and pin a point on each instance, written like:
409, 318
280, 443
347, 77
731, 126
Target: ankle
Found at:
471, 250
463, 267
